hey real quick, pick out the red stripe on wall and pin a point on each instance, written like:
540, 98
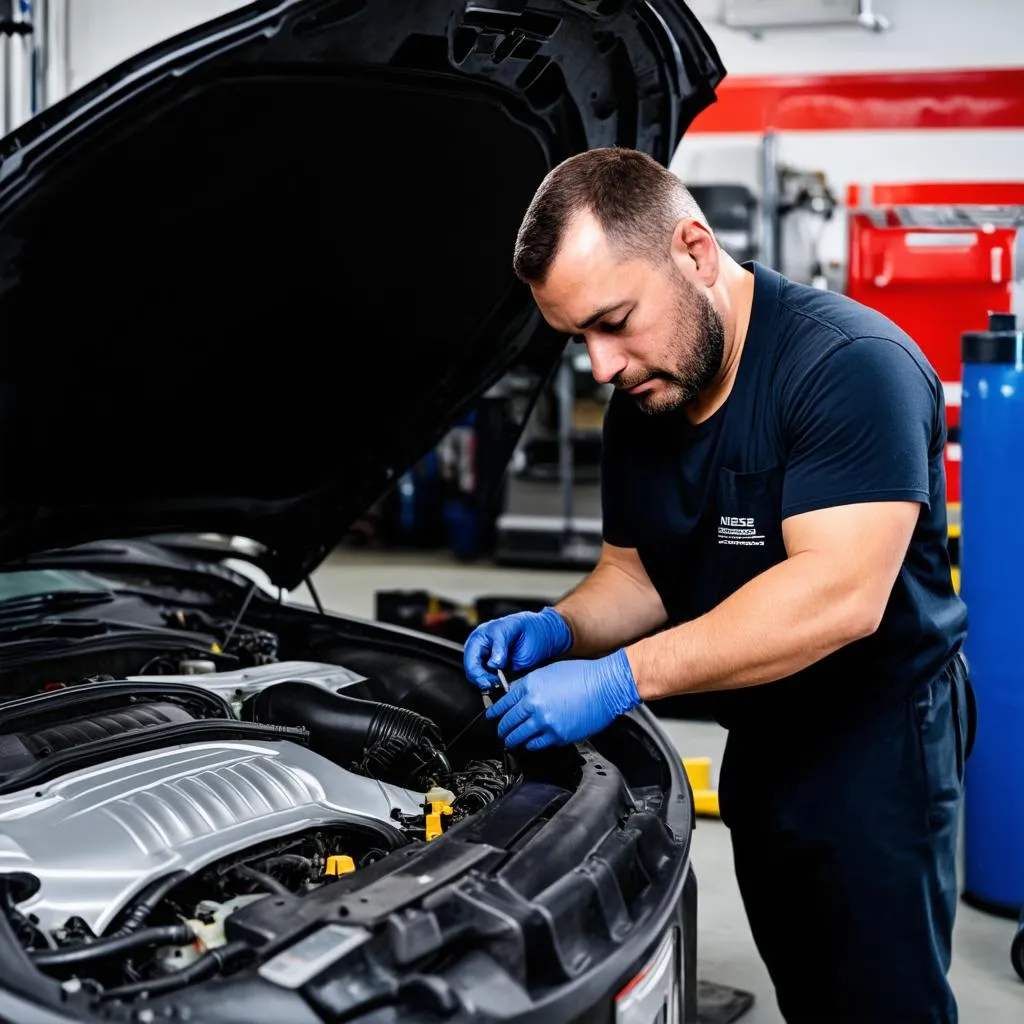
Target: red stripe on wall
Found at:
975, 98
936, 193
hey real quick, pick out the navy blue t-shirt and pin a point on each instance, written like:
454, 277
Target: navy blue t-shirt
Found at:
832, 404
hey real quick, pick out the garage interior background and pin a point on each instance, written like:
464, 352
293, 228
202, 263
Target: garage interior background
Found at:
809, 119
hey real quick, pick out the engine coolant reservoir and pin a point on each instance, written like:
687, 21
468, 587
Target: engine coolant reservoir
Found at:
209, 929
197, 667
441, 796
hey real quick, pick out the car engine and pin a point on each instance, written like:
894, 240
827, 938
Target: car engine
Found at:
141, 818
137, 814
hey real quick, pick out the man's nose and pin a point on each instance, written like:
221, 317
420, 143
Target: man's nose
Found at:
606, 360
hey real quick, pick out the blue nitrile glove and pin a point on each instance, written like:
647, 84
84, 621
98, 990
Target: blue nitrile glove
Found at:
514, 643
565, 702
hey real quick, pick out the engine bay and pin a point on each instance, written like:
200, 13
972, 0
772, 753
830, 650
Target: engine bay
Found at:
208, 796
184, 795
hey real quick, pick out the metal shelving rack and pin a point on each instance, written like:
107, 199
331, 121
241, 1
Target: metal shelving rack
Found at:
565, 539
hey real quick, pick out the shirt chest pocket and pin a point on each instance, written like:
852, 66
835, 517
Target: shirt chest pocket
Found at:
747, 526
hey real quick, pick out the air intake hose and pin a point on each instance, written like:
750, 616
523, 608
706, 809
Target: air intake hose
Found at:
389, 743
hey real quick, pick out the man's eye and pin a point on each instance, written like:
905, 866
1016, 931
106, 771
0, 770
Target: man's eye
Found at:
616, 327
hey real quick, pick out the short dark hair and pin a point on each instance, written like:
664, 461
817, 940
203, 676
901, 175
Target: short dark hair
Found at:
636, 200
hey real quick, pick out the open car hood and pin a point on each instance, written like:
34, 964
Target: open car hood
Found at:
251, 275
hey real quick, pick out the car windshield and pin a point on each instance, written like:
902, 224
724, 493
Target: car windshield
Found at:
31, 583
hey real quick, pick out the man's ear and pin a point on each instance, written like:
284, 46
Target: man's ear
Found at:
695, 251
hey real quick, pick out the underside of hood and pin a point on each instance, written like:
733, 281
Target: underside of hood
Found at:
250, 276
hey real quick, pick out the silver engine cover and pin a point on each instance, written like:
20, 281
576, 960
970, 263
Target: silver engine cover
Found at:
96, 837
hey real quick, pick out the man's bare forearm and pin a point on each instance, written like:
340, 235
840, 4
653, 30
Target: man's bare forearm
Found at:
779, 623
613, 606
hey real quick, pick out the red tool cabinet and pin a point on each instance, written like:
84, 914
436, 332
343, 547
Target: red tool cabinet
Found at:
936, 259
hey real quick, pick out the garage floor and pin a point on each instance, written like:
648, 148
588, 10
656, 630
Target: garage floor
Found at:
986, 986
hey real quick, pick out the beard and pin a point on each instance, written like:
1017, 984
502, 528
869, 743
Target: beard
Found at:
695, 354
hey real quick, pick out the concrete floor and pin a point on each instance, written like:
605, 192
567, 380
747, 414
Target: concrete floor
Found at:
987, 988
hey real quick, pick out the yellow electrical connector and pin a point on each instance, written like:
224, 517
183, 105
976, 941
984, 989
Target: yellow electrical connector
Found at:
340, 864
438, 810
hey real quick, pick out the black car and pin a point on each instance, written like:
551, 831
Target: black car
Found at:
247, 279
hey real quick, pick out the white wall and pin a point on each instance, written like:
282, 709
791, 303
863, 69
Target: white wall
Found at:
922, 34
102, 33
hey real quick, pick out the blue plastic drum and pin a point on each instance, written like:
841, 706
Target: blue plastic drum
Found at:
992, 586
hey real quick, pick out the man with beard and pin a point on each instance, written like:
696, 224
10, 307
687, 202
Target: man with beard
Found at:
774, 518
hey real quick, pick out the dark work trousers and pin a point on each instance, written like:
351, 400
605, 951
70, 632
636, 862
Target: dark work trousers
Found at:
845, 854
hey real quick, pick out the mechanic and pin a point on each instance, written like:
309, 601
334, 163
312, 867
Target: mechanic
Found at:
774, 527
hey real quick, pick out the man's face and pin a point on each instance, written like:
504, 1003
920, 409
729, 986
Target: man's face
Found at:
648, 329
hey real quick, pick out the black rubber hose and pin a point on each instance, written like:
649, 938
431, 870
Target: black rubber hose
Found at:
18, 972
286, 860
21, 926
268, 882
14, 889
148, 902
214, 961
346, 729
105, 949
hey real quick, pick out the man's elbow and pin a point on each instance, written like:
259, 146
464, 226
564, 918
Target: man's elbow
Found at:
863, 613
